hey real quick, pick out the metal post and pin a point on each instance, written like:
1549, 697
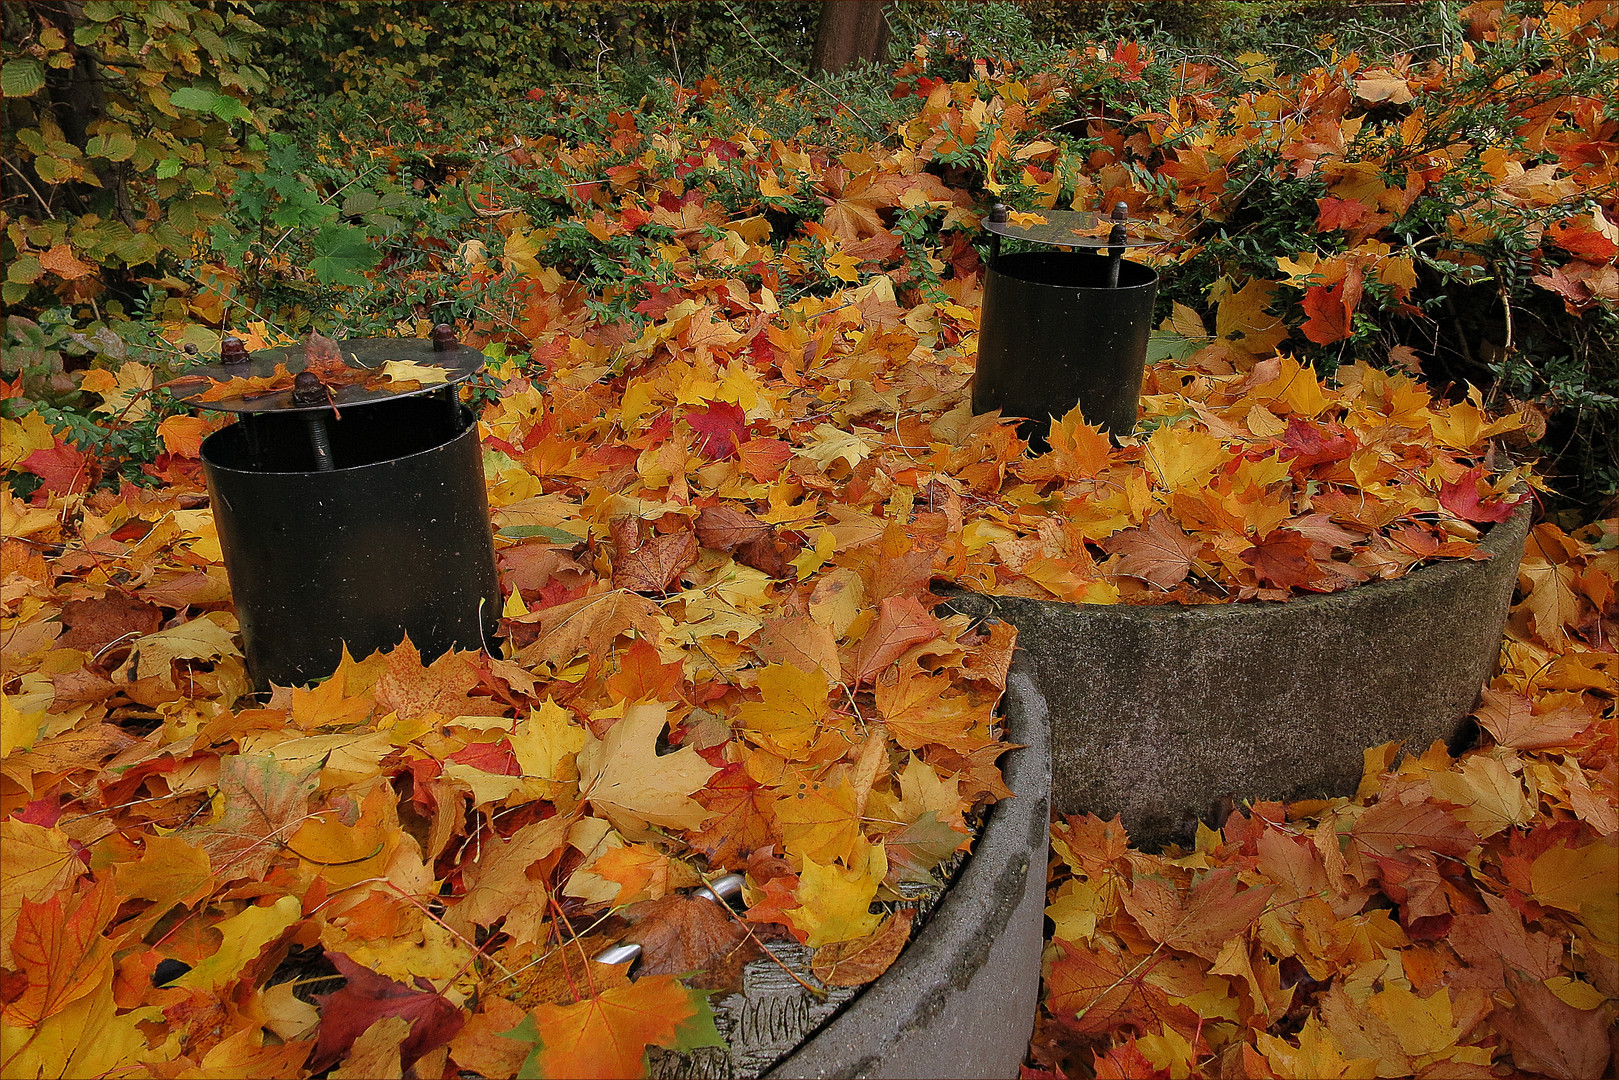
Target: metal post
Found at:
1115, 239
307, 389
999, 214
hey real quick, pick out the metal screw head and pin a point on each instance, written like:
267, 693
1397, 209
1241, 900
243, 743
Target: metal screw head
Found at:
1000, 213
1121, 214
444, 337
307, 389
233, 351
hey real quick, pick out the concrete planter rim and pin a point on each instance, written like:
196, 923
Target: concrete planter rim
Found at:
888, 1029
1501, 538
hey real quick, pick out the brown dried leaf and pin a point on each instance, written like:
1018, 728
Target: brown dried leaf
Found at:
1550, 1036
857, 962
725, 528
1158, 551
649, 565
588, 624
680, 934
93, 624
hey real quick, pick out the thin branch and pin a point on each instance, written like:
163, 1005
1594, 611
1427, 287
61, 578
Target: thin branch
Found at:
43, 205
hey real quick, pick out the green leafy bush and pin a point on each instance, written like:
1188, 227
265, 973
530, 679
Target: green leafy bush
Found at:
126, 125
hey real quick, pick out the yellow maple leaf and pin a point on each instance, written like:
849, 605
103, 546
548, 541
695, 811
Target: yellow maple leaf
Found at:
922, 790
202, 638
58, 1046
828, 444
1487, 796
124, 393
835, 901
624, 777
519, 253
1317, 1054
19, 439
1581, 880
820, 820
1181, 459
411, 371
787, 718
544, 738
1077, 906
245, 935
38, 862
1423, 1025
346, 855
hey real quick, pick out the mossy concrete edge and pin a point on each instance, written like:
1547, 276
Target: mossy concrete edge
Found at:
1159, 712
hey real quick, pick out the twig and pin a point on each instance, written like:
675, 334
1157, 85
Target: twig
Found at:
748, 930
43, 205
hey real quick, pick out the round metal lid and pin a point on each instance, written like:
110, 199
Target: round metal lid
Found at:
459, 363
1071, 228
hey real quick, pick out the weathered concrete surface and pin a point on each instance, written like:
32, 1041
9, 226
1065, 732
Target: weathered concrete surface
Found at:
1158, 712
960, 1000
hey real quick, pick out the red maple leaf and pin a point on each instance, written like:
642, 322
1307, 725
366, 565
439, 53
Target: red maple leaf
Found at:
1127, 54
1346, 214
1462, 499
493, 757
64, 467
369, 997
1329, 315
1307, 444
1283, 560
720, 428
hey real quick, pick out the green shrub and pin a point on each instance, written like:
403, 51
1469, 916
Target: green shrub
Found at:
126, 125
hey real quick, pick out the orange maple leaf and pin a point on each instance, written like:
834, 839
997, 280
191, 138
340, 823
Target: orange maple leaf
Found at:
606, 1035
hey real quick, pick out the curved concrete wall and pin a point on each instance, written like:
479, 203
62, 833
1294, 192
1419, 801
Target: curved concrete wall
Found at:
1158, 712
961, 998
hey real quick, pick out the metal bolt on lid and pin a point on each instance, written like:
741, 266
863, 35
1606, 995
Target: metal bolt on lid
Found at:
1072, 228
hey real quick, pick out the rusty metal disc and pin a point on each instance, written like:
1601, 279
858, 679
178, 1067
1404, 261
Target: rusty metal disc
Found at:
1075, 228
460, 362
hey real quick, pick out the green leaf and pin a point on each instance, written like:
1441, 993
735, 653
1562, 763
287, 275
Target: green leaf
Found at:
529, 1032
168, 167
228, 108
699, 1029
1168, 345
25, 269
194, 98
550, 532
100, 10
22, 77
118, 146
341, 253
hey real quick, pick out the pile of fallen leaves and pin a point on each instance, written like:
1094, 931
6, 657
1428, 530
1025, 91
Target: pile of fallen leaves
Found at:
712, 558
1455, 918
718, 526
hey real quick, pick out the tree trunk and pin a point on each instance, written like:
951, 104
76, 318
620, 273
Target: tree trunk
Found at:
849, 30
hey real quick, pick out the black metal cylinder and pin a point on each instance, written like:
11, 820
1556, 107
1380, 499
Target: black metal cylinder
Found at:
393, 539
1053, 335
